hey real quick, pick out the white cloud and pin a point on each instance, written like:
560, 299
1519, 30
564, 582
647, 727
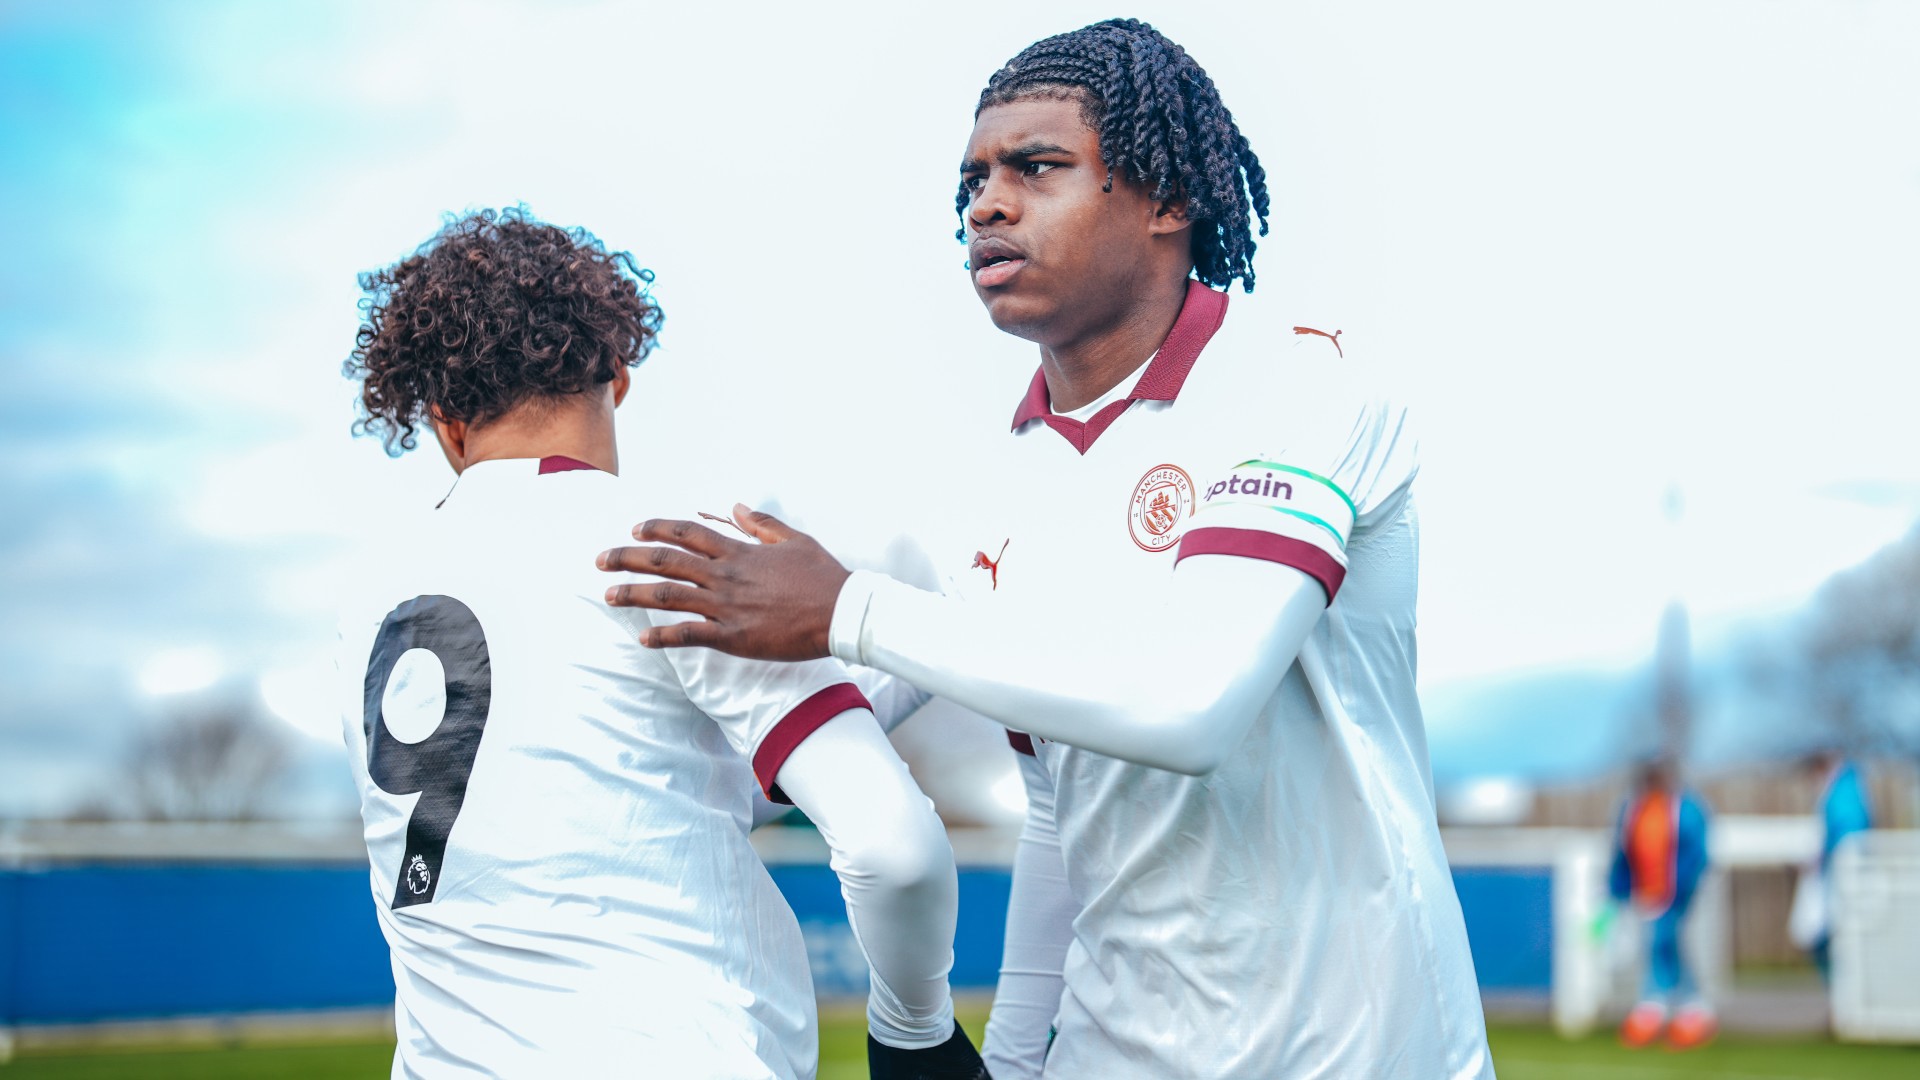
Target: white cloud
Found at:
306, 696
180, 671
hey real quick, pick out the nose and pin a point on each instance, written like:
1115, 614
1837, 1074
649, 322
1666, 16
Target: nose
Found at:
995, 202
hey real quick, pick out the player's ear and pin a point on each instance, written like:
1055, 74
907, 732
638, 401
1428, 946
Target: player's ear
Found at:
622, 382
452, 436
1169, 216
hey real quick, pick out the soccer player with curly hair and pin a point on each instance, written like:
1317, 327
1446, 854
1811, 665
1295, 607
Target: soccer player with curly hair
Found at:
556, 817
1197, 620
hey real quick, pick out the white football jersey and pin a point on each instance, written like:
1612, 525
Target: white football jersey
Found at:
557, 817
1290, 914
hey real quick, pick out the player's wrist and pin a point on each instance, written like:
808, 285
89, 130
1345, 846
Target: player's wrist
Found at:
922, 1025
846, 630
892, 1034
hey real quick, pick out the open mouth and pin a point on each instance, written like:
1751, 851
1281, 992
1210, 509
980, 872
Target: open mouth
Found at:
996, 271
994, 262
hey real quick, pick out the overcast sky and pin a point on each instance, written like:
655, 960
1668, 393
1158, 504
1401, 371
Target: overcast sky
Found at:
1609, 251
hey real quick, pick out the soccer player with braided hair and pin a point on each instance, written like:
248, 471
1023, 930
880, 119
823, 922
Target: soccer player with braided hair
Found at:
1160, 121
1197, 622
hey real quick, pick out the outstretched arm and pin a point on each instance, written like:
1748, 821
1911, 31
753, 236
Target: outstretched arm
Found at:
896, 872
1175, 686
1228, 626
811, 739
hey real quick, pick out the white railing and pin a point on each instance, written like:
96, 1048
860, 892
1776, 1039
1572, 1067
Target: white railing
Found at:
1876, 937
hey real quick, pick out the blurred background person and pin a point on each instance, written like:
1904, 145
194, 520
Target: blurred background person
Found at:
1842, 810
1659, 857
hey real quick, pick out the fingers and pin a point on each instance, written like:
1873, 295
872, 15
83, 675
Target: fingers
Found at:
682, 635
684, 534
763, 527
659, 561
663, 596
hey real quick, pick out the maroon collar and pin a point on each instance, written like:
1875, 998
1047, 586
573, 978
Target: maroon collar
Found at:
554, 463
1200, 316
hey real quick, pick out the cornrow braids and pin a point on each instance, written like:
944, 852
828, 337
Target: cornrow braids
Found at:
1160, 122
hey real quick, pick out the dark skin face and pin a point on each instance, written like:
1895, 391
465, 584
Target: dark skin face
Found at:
1096, 278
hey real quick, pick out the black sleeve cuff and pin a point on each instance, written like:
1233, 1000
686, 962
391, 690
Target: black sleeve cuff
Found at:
954, 1059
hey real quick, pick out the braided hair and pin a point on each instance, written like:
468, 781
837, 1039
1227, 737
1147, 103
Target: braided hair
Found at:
1160, 122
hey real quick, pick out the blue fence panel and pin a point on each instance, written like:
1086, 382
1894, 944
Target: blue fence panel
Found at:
11, 928
124, 942
983, 926
81, 944
1509, 912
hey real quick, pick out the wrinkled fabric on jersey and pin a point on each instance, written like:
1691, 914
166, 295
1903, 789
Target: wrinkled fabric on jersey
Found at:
596, 909
1291, 913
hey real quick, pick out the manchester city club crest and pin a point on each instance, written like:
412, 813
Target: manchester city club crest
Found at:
1162, 501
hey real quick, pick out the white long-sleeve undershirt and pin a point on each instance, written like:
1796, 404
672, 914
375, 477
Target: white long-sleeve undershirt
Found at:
893, 701
1227, 629
895, 867
1040, 914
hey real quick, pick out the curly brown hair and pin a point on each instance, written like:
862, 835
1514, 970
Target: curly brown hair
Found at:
496, 310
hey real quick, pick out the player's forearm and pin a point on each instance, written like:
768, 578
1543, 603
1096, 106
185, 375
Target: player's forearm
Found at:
896, 872
1174, 687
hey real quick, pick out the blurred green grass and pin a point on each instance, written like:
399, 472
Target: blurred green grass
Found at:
1536, 1053
1519, 1053
319, 1061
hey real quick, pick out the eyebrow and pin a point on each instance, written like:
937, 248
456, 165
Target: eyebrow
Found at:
1018, 155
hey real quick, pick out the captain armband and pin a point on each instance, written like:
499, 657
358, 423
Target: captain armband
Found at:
1275, 512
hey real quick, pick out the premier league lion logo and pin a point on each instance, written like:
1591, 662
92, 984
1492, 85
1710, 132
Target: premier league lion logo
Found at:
419, 878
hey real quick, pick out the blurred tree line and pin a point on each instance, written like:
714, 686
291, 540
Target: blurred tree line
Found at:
1859, 652
1847, 666
218, 758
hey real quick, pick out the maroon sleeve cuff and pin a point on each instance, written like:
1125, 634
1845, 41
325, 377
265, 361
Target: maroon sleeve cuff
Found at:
1254, 544
1021, 741
792, 729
